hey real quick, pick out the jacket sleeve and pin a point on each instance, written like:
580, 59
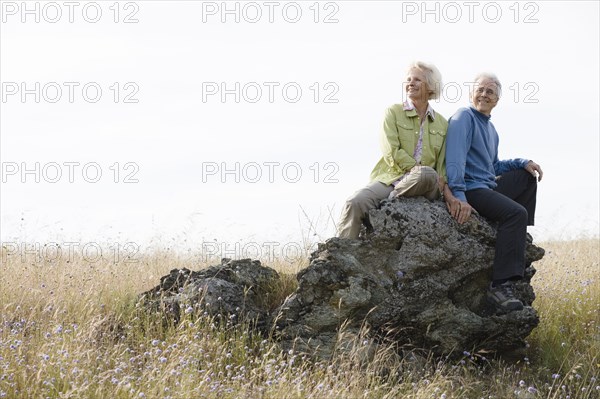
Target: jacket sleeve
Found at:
394, 156
440, 164
458, 142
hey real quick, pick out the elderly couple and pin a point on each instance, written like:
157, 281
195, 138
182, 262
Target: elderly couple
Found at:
423, 154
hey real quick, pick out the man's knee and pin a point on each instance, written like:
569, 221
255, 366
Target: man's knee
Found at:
527, 178
518, 213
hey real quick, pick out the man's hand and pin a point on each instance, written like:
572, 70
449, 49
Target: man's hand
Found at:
535, 170
459, 210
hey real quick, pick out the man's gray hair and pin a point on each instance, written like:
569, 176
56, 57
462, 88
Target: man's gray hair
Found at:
433, 77
489, 76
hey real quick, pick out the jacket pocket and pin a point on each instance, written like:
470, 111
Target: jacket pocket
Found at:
436, 138
406, 131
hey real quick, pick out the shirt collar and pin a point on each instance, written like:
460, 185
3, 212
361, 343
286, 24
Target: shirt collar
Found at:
409, 106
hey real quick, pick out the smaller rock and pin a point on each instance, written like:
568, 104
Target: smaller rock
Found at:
231, 290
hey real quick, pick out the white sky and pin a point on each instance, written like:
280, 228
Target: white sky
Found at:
544, 52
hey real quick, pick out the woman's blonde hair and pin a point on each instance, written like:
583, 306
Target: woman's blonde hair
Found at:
433, 77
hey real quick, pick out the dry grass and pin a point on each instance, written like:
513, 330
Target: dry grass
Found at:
70, 329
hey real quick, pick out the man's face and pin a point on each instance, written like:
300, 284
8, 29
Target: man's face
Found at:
485, 96
416, 85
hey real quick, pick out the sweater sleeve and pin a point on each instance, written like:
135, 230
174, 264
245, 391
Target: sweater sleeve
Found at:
501, 167
458, 142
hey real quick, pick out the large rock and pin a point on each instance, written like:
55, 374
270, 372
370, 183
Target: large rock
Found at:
418, 277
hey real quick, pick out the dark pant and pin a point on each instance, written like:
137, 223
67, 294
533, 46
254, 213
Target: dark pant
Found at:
512, 204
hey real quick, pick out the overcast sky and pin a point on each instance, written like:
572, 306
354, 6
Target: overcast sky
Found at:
189, 122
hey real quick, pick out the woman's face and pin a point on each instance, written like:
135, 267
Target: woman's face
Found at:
416, 85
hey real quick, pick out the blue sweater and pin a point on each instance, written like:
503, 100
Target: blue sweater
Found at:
472, 153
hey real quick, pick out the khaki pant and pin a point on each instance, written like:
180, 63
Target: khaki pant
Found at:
421, 180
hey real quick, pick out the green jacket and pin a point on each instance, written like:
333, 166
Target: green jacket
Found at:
399, 139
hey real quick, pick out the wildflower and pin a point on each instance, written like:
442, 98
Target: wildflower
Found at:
155, 342
531, 390
45, 356
521, 383
189, 310
555, 376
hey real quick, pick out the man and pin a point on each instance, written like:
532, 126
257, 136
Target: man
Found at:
503, 191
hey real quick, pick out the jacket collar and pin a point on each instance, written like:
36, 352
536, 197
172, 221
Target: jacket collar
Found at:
409, 106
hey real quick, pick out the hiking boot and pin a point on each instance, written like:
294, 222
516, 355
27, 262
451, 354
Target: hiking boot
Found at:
503, 297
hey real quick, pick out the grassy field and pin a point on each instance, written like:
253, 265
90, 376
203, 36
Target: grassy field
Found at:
71, 329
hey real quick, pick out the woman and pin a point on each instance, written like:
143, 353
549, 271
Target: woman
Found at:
413, 144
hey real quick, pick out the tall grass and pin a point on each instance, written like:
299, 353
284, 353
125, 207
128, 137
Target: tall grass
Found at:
71, 329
